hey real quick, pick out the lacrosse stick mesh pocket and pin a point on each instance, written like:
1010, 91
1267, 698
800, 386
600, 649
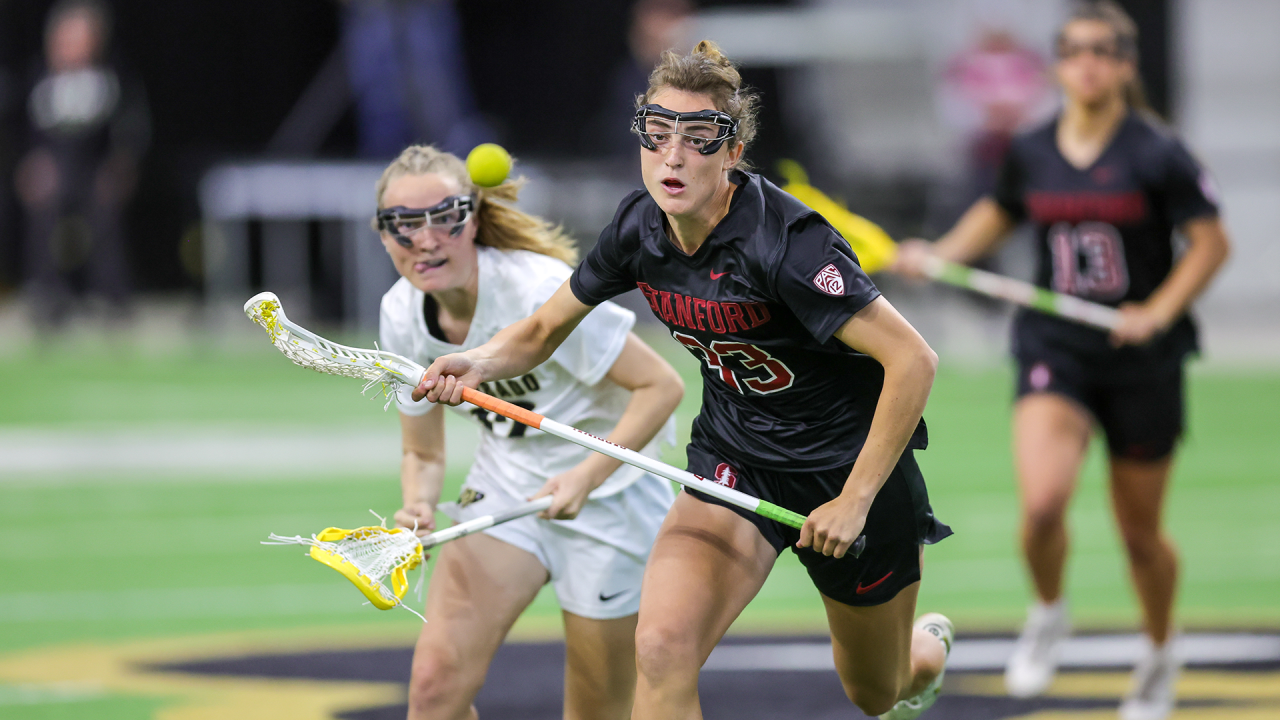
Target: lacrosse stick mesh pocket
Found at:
309, 350
367, 556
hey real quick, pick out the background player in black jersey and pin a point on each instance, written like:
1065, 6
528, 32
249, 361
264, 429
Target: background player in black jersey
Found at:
813, 391
1106, 185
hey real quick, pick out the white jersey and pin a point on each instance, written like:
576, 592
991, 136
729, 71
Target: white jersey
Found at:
570, 387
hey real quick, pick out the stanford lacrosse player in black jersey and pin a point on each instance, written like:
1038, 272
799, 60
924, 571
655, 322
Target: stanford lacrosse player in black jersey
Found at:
1105, 186
813, 392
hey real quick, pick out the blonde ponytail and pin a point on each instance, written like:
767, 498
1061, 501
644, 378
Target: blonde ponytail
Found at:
498, 223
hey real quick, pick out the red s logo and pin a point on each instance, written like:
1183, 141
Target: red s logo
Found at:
726, 475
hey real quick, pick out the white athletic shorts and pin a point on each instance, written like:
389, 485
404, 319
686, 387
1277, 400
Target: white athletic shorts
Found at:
596, 560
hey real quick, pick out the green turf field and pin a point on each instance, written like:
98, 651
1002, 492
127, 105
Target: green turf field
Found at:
104, 559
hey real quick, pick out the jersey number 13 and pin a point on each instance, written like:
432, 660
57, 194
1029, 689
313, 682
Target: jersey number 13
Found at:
1088, 260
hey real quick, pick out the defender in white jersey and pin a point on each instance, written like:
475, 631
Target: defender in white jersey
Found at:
470, 267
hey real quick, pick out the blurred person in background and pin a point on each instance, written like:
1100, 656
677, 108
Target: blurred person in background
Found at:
408, 77
88, 127
992, 88
1106, 185
8, 151
656, 26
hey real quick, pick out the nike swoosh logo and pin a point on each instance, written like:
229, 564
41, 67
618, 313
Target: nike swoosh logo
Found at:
864, 590
716, 276
607, 598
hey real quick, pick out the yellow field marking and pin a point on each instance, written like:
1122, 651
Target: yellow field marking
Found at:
1267, 712
1194, 684
122, 669
1255, 695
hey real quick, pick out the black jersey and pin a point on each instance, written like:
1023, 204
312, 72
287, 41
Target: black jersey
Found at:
757, 304
1105, 232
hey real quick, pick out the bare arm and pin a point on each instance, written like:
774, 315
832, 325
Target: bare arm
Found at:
514, 351
656, 390
909, 366
979, 231
421, 469
1207, 251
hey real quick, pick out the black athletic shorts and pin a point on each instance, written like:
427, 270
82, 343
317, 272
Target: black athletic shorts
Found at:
1142, 420
900, 520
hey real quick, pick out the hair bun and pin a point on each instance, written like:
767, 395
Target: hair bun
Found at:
706, 70
712, 51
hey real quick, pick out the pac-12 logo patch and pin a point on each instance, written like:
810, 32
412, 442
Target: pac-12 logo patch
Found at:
829, 280
726, 475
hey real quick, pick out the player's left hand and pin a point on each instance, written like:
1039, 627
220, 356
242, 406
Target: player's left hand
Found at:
569, 492
1138, 325
833, 527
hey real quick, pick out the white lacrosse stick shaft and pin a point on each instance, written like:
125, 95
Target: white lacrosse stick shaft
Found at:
475, 525
1022, 293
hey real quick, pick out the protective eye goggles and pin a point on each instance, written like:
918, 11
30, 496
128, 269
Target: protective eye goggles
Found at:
401, 222
704, 131
1118, 49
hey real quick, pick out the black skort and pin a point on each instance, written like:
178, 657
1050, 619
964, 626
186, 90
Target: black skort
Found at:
1141, 420
899, 521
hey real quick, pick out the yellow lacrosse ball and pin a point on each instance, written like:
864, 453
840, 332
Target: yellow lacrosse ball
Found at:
488, 164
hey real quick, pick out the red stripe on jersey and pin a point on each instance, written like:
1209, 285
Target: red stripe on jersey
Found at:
1073, 207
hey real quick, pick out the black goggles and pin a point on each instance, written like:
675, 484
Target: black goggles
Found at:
704, 131
401, 222
1119, 48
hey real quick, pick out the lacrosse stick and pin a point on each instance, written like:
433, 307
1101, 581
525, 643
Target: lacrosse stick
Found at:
1022, 293
877, 251
367, 556
393, 372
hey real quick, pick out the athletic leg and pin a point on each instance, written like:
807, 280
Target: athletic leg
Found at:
600, 669
706, 565
1137, 494
479, 586
879, 657
1050, 437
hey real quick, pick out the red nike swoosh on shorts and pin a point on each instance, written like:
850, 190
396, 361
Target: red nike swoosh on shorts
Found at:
864, 590
716, 276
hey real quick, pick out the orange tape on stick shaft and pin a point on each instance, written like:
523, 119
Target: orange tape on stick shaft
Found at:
502, 407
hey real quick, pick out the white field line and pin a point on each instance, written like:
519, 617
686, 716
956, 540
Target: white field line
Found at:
336, 598
154, 452
992, 654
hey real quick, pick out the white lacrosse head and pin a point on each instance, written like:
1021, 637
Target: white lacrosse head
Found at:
309, 350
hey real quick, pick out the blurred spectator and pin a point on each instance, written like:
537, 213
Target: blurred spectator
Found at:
88, 129
656, 26
990, 90
409, 77
9, 125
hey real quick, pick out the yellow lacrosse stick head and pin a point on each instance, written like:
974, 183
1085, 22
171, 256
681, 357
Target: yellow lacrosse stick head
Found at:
378, 559
873, 246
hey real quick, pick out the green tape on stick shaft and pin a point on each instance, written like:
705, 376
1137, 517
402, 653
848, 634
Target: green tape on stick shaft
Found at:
781, 514
955, 274
796, 520
1046, 301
